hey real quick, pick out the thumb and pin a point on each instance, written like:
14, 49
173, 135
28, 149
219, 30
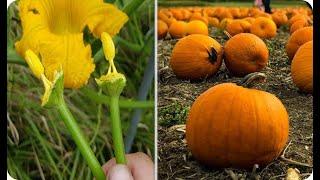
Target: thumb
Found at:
120, 171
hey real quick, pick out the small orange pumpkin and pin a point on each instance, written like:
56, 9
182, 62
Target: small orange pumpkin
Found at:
298, 38
280, 18
302, 68
197, 27
238, 26
225, 22
264, 27
245, 53
198, 16
178, 29
232, 126
196, 56
213, 21
162, 29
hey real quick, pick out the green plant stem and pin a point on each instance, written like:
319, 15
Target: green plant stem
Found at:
132, 6
123, 103
80, 141
117, 131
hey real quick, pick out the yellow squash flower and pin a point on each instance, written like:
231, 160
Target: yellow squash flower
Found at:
53, 29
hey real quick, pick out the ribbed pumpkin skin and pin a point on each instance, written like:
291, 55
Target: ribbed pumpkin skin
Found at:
298, 38
245, 53
302, 68
162, 29
232, 126
264, 27
178, 29
190, 57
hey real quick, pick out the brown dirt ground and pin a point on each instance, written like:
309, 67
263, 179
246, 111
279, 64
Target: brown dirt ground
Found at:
175, 98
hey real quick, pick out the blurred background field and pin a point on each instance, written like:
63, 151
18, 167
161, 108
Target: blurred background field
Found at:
38, 143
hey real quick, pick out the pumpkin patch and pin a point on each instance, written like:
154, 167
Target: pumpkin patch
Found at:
248, 116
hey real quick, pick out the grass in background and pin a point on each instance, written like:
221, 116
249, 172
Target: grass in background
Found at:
38, 143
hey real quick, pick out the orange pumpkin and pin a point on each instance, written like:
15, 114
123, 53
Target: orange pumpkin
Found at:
235, 12
162, 29
178, 29
298, 25
245, 53
225, 22
225, 14
232, 126
196, 56
264, 27
197, 27
263, 14
297, 39
238, 26
198, 16
279, 18
302, 68
213, 21
297, 17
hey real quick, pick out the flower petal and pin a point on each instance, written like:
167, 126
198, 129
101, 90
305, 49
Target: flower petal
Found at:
69, 53
34, 25
103, 17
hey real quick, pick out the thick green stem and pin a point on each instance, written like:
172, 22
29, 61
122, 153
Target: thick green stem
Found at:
123, 103
80, 141
117, 131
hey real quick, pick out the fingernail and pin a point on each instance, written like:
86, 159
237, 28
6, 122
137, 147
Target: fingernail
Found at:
120, 171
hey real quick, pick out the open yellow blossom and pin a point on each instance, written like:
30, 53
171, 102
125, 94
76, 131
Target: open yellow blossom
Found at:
54, 30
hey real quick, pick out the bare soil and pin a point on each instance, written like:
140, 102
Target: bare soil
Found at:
176, 96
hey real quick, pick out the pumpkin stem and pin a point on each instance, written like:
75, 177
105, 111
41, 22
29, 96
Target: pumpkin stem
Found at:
227, 34
213, 55
253, 78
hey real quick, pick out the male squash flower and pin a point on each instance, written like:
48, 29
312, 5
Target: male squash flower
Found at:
53, 29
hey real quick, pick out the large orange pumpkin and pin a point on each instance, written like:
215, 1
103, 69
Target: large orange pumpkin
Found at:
298, 38
264, 27
232, 126
178, 29
196, 56
302, 68
238, 26
245, 53
197, 27
162, 29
